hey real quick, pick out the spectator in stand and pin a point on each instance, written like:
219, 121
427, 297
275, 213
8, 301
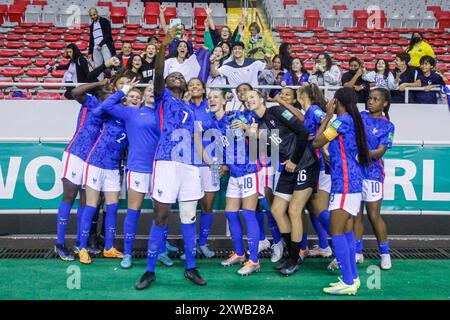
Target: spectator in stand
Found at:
78, 68
405, 77
258, 46
126, 53
353, 79
297, 74
224, 34
241, 69
133, 69
429, 80
226, 48
153, 40
180, 34
219, 58
277, 66
325, 73
274, 92
101, 43
189, 65
381, 77
148, 63
418, 48
285, 56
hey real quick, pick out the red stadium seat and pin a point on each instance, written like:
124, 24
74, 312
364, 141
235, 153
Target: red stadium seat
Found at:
46, 95
45, 24
312, 18
308, 41
297, 49
328, 41
339, 7
14, 37
134, 26
82, 45
131, 32
52, 37
37, 72
27, 96
3, 10
15, 13
58, 73
437, 43
342, 57
21, 62
57, 45
128, 38
440, 50
29, 53
316, 49
32, 37
401, 42
26, 25
292, 41
49, 80
11, 72
375, 49
57, 31
139, 46
369, 66
344, 65
170, 13
322, 35
14, 45
336, 49
365, 42
151, 13
9, 53
4, 62
6, 80
395, 50
38, 30
199, 16
309, 65
359, 35
302, 56
118, 14
71, 38
105, 4
50, 54
147, 33
365, 57
42, 62
37, 45
383, 42
356, 49
25, 80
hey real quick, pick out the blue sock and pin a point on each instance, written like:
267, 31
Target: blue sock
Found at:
88, 215
304, 241
62, 219
351, 252
321, 232
235, 225
252, 233
276, 235
359, 247
79, 215
129, 229
110, 224
264, 204
206, 219
163, 245
154, 243
341, 250
383, 247
260, 218
324, 218
190, 249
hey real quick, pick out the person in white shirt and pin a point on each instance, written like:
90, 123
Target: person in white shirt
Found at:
240, 69
325, 73
381, 77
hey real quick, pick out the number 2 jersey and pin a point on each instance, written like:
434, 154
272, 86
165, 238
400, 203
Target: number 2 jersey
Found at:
88, 129
346, 172
289, 135
379, 131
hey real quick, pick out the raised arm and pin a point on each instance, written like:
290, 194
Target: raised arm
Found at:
79, 93
162, 18
209, 18
159, 84
321, 140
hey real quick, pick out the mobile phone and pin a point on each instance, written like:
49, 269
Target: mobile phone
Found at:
174, 22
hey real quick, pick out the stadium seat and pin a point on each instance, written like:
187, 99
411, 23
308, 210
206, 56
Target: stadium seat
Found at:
6, 80
387, 57
12, 72
356, 49
37, 45
45, 95
9, 53
316, 49
312, 18
131, 32
37, 72
50, 54
370, 66
51, 37
56, 45
39, 30
24, 95
334, 49
4, 62
14, 45
21, 62
29, 53
118, 15
50, 80
199, 17
42, 62
32, 37
71, 38
3, 10
375, 49
14, 37
57, 31
171, 13
360, 17
15, 13
308, 41
151, 13
342, 57
139, 46
25, 80
58, 73
395, 50
365, 57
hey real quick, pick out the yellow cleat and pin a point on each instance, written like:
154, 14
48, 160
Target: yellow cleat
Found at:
342, 289
112, 253
356, 281
84, 256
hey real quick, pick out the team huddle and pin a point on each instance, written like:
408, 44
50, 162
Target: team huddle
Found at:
302, 153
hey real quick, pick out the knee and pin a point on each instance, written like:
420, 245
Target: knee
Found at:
162, 220
188, 211
294, 213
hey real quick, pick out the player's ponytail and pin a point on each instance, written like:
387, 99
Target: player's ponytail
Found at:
315, 95
386, 94
347, 97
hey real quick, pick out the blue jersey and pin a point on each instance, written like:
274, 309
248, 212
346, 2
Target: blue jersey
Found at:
379, 132
89, 126
108, 150
346, 172
143, 130
313, 118
177, 135
203, 115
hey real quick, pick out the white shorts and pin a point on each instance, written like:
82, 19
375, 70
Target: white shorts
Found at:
266, 176
324, 182
372, 191
139, 182
350, 202
174, 181
101, 179
243, 187
72, 168
206, 179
